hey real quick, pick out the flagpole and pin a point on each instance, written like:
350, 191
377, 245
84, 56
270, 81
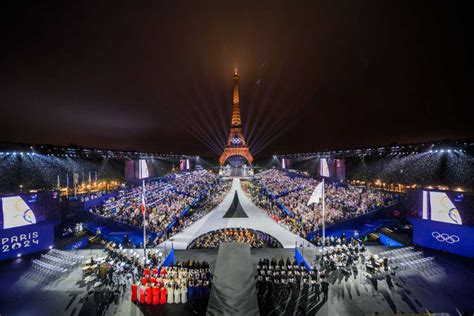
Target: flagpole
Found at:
144, 224
324, 214
74, 181
67, 185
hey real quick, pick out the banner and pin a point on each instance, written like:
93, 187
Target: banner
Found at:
26, 239
169, 258
458, 239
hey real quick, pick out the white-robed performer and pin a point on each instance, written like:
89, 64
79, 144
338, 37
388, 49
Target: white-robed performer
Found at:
184, 293
170, 290
177, 294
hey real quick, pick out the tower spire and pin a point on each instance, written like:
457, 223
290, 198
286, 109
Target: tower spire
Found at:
236, 145
236, 122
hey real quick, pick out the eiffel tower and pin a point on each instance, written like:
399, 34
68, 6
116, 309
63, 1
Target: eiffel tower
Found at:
236, 145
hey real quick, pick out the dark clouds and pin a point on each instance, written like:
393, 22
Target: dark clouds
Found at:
157, 76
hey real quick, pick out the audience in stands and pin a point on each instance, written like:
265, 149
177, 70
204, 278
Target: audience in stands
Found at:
165, 200
210, 202
273, 190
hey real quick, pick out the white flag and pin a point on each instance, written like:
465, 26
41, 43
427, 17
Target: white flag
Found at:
317, 194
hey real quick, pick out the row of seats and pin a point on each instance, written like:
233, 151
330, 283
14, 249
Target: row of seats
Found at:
66, 256
407, 256
395, 252
47, 269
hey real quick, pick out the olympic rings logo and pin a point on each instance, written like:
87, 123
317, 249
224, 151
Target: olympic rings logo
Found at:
236, 140
443, 237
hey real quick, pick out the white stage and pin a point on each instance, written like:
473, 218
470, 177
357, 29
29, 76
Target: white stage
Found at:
257, 220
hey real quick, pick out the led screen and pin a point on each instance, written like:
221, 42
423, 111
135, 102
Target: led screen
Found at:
143, 171
16, 212
441, 208
449, 207
442, 220
285, 163
187, 164
323, 167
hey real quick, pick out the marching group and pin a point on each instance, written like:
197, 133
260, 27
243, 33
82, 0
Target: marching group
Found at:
177, 283
288, 285
300, 286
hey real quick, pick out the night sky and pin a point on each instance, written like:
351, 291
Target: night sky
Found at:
157, 76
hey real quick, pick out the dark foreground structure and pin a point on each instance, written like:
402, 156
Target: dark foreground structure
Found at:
233, 292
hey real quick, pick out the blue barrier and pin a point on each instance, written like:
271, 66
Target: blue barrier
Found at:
280, 206
181, 193
185, 211
300, 259
79, 244
283, 208
286, 192
171, 225
387, 241
98, 201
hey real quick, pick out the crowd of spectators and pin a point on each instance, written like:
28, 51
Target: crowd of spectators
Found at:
274, 189
165, 200
241, 235
209, 202
278, 183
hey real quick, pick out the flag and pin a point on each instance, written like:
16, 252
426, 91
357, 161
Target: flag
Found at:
317, 194
143, 206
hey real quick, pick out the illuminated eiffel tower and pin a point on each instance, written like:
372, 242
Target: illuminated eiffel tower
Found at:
236, 146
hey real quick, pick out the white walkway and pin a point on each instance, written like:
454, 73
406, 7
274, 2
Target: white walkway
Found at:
257, 220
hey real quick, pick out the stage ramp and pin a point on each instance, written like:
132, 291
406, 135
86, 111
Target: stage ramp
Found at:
233, 287
255, 219
235, 210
